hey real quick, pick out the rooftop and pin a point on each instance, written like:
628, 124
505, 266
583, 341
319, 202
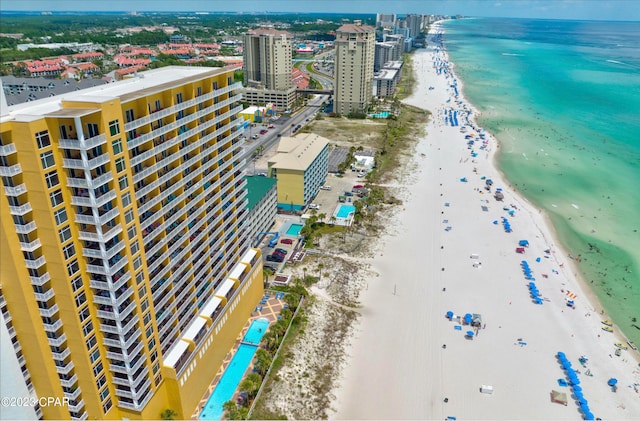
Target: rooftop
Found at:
297, 153
144, 84
269, 31
257, 188
350, 27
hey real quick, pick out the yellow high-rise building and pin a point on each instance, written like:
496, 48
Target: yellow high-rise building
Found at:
126, 271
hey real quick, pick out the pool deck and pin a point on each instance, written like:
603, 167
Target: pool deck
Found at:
270, 311
345, 222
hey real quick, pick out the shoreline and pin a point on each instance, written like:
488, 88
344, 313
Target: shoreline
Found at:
406, 329
547, 224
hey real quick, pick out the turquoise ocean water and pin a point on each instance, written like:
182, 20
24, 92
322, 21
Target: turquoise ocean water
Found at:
563, 99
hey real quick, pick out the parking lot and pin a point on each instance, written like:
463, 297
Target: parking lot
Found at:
328, 199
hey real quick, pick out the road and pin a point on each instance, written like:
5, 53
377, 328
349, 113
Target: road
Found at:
283, 126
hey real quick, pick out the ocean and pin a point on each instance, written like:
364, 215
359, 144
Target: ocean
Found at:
563, 99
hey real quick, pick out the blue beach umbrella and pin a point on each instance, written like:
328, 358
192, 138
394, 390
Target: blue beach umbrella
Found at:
584, 408
612, 381
577, 389
588, 416
449, 314
561, 354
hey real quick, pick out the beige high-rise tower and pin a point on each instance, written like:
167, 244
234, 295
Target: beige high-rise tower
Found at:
267, 67
354, 59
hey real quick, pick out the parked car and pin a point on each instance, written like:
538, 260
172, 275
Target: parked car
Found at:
314, 206
283, 251
325, 187
286, 241
270, 126
278, 257
263, 131
272, 258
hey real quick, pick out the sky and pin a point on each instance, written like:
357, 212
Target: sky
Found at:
546, 9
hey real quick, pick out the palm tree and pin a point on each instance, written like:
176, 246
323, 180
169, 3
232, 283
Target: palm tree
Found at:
263, 361
320, 266
304, 270
251, 385
168, 414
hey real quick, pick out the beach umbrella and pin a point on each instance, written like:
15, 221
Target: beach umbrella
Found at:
470, 333
612, 381
584, 408
578, 395
561, 354
582, 401
449, 314
588, 416
577, 389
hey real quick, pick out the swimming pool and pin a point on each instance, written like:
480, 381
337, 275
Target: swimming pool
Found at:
294, 229
344, 211
256, 331
234, 372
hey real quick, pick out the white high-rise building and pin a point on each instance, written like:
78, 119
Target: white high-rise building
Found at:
354, 60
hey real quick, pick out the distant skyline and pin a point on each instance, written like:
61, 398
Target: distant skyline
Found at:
545, 9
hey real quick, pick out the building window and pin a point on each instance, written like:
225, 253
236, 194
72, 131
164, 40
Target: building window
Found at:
128, 215
117, 146
114, 127
73, 267
64, 234
126, 199
84, 315
147, 318
129, 116
123, 182
91, 342
120, 166
81, 299
56, 198
88, 328
43, 140
135, 247
76, 284
144, 306
137, 262
46, 159
94, 356
98, 369
52, 179
131, 232
107, 406
69, 251
102, 380
60, 215
139, 277
92, 129
104, 394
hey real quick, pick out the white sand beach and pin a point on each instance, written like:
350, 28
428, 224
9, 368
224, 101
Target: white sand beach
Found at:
397, 367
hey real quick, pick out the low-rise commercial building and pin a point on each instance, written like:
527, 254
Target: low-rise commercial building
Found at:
300, 166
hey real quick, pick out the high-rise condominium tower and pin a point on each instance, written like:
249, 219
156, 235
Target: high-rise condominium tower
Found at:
354, 59
125, 269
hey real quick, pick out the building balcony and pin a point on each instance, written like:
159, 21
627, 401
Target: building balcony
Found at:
32, 246
25, 228
90, 163
93, 183
20, 210
86, 144
61, 355
15, 191
65, 369
40, 280
6, 150
10, 171
72, 395
45, 296
53, 328
35, 263
77, 407
70, 382
103, 238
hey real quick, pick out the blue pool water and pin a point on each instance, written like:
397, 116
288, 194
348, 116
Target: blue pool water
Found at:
235, 371
294, 229
345, 210
256, 331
